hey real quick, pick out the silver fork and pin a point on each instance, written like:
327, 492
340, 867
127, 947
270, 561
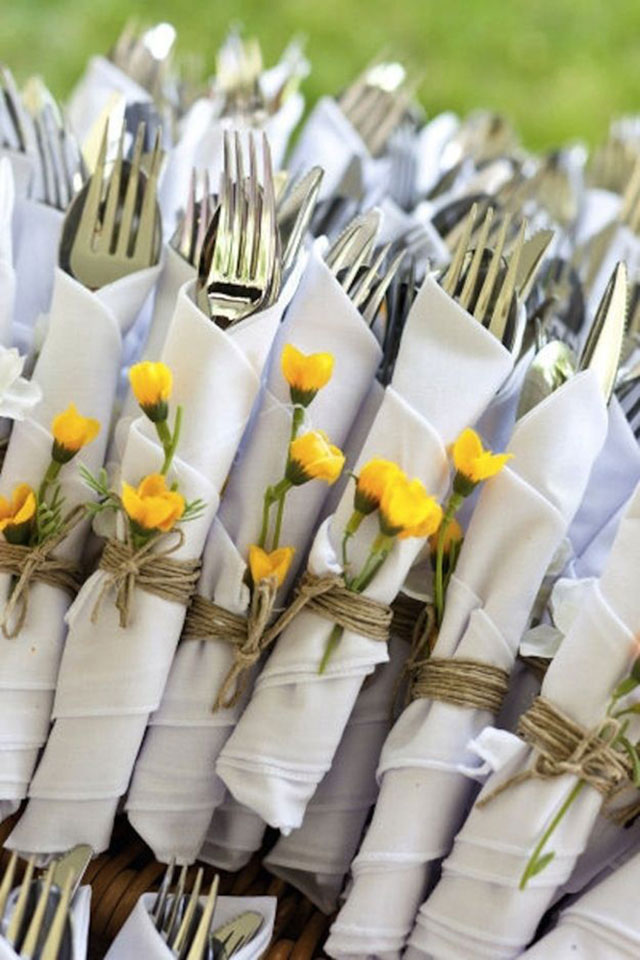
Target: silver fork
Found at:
191, 230
492, 303
113, 226
376, 102
239, 269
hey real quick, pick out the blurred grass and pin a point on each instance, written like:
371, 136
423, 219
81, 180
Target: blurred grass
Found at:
558, 68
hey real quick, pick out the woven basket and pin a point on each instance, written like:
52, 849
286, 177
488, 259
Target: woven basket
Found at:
129, 869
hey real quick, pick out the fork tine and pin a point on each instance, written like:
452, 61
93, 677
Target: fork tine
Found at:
17, 917
486, 292
157, 911
268, 222
180, 939
361, 294
51, 948
7, 882
204, 216
373, 304
474, 268
253, 202
498, 322
131, 195
239, 209
174, 913
183, 239
451, 277
88, 226
201, 938
351, 275
106, 239
146, 229
30, 942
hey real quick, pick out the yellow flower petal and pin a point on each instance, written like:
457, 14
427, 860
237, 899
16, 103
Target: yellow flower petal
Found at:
275, 564
71, 431
20, 510
454, 534
472, 461
312, 457
371, 483
152, 506
305, 373
151, 383
407, 510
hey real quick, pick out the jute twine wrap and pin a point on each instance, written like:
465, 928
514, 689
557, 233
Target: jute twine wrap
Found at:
562, 746
37, 563
326, 596
149, 568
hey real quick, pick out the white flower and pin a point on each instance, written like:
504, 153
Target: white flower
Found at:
17, 394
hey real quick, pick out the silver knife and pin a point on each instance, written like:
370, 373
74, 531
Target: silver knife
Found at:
604, 344
531, 257
233, 935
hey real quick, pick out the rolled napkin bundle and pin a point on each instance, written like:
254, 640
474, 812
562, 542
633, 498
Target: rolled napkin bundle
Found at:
520, 519
174, 790
315, 859
602, 924
139, 937
485, 905
447, 370
112, 676
79, 364
79, 916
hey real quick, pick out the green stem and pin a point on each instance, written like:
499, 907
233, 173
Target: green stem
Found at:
351, 528
272, 495
279, 516
453, 505
169, 440
332, 643
267, 503
532, 865
50, 477
296, 421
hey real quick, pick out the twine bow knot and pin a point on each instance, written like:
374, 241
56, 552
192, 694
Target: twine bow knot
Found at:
37, 563
150, 567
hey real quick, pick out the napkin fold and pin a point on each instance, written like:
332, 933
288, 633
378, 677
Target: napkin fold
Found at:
477, 905
174, 789
95, 90
139, 938
520, 519
7, 272
37, 230
111, 678
315, 859
79, 363
447, 370
602, 924
80, 910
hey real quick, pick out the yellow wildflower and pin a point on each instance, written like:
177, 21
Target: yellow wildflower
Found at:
473, 463
275, 564
17, 514
407, 510
152, 506
372, 481
312, 457
152, 384
305, 373
71, 431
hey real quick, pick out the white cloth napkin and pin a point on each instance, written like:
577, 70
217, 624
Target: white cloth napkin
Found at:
80, 910
37, 229
21, 168
174, 789
79, 363
315, 859
234, 835
603, 924
7, 273
138, 938
448, 369
111, 678
519, 520
477, 907
329, 140
95, 89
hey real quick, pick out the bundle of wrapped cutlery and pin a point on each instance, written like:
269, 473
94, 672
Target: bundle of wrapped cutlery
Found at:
319, 521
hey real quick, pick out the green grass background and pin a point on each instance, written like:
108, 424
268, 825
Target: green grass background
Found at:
559, 68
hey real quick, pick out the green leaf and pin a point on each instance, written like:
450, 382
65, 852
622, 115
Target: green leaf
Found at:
541, 863
625, 687
635, 759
